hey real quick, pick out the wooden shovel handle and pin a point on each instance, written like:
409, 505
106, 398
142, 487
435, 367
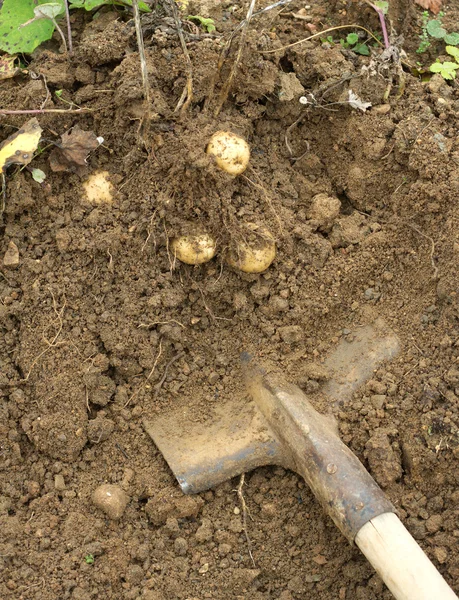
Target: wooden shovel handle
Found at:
400, 562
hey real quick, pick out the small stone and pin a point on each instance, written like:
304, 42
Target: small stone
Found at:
236, 510
291, 334
59, 482
205, 532
100, 429
213, 378
180, 546
378, 400
204, 568
111, 500
441, 554
134, 574
11, 258
381, 109
224, 549
290, 87
434, 523
324, 210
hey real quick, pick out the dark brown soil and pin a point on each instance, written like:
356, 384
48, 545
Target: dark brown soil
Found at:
97, 307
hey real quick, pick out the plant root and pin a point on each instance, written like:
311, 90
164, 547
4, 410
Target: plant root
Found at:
244, 510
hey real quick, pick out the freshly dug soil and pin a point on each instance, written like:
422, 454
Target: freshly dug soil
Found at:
101, 327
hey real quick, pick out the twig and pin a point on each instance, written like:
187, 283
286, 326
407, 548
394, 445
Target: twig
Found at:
69, 27
240, 495
150, 325
145, 121
163, 378
226, 88
321, 33
41, 111
187, 94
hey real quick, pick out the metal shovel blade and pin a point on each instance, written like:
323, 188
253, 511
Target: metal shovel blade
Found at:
239, 439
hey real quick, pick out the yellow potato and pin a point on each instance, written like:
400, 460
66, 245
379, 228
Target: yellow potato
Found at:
231, 152
194, 249
98, 189
255, 253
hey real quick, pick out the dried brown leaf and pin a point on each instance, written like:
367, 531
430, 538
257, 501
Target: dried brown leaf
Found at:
8, 69
72, 153
432, 5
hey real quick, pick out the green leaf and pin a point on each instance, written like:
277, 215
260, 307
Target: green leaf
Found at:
447, 69
435, 29
92, 4
25, 39
454, 52
452, 39
361, 49
208, 24
383, 5
352, 39
49, 10
76, 4
38, 175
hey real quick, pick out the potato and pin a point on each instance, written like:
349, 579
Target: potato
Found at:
194, 249
256, 252
98, 189
231, 152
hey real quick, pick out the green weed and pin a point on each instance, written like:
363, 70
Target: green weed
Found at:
432, 29
447, 69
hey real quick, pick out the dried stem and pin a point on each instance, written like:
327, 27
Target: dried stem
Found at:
187, 94
41, 111
226, 88
145, 123
320, 34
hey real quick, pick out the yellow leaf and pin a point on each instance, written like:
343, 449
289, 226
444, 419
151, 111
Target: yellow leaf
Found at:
18, 149
7, 67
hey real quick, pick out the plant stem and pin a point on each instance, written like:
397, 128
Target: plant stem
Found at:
69, 28
61, 34
382, 20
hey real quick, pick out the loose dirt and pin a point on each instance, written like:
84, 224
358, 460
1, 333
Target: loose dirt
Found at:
102, 327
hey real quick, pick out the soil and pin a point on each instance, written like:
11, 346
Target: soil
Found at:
102, 327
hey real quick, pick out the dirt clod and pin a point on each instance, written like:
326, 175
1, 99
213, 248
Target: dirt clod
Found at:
111, 499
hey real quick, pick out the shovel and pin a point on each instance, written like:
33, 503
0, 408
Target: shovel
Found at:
281, 427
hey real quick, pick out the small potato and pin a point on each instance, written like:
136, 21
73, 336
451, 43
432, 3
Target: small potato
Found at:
231, 152
98, 189
194, 249
256, 252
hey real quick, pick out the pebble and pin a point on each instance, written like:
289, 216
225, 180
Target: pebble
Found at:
291, 334
59, 482
441, 554
324, 209
111, 500
11, 258
180, 546
434, 523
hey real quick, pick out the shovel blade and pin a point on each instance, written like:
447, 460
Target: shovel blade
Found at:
203, 455
238, 438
